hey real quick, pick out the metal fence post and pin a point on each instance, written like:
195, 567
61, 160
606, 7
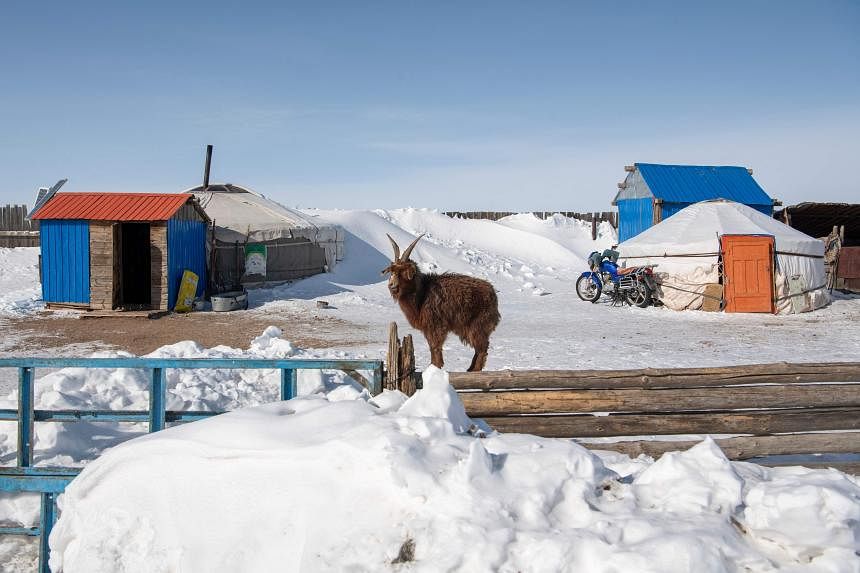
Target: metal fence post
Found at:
25, 417
157, 400
289, 383
378, 376
46, 523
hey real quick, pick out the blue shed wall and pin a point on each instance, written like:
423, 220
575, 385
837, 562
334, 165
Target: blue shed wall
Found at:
65, 260
186, 250
634, 216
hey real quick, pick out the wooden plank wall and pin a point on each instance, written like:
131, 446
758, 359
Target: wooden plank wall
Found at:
15, 229
775, 409
102, 279
594, 218
105, 273
158, 264
597, 216
14, 218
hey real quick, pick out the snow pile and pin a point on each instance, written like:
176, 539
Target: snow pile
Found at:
314, 484
20, 291
698, 480
187, 390
521, 251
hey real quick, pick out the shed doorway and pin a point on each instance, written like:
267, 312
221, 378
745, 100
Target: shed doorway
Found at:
134, 266
748, 272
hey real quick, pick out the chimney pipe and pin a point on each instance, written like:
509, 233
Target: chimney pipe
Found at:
208, 164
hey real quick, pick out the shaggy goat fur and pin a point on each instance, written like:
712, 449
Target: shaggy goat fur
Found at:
439, 304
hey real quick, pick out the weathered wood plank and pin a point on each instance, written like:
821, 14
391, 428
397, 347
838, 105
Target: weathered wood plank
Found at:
745, 447
756, 422
393, 358
779, 373
482, 404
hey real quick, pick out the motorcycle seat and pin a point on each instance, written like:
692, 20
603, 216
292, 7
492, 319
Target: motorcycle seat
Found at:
626, 271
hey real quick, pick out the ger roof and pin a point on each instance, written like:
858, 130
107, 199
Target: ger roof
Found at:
693, 183
113, 206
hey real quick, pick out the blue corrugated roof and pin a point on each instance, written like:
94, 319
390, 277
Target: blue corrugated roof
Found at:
692, 183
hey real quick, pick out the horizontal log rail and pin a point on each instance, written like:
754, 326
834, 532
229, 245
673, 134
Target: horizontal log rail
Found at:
501, 403
778, 373
743, 447
755, 422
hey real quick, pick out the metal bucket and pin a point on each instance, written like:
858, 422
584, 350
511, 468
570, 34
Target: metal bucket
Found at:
233, 300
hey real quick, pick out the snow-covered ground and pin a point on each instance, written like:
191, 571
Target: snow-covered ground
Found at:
19, 280
534, 264
337, 481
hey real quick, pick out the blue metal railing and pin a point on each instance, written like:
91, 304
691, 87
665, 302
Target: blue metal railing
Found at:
51, 481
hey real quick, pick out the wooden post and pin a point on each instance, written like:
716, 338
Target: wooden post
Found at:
407, 366
594, 229
392, 373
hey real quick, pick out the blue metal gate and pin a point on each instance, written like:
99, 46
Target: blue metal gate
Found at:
51, 481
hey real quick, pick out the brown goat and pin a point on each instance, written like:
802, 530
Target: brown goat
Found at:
439, 304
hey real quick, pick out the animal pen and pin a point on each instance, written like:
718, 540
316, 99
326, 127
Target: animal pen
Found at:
765, 410
772, 410
120, 251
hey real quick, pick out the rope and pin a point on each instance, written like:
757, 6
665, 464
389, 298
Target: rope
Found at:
692, 292
667, 255
800, 255
788, 296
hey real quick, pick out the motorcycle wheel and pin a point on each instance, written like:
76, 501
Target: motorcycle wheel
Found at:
588, 289
640, 294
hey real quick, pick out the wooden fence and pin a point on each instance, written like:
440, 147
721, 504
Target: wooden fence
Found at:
15, 229
594, 218
772, 409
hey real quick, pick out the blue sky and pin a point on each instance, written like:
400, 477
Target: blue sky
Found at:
489, 105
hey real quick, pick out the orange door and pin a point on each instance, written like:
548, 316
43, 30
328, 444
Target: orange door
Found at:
748, 273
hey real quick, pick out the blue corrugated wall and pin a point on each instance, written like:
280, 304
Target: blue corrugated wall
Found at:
634, 216
186, 250
65, 260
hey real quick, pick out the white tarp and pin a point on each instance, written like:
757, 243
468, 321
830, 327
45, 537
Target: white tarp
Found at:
240, 214
686, 248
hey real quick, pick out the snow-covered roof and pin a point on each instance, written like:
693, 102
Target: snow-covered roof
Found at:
696, 229
240, 214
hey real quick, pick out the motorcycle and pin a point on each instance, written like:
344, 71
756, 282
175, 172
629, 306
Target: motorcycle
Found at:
634, 285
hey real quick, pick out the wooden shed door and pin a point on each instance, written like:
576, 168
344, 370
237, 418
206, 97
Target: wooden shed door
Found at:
748, 273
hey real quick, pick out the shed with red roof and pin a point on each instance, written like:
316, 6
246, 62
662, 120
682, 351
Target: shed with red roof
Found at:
123, 251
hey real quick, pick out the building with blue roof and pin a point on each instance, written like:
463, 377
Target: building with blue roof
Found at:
651, 193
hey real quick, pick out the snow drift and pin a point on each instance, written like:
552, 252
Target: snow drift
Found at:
387, 483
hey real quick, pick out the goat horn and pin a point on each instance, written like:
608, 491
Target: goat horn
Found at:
408, 250
396, 248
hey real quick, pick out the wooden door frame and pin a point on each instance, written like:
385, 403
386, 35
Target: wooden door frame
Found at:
772, 258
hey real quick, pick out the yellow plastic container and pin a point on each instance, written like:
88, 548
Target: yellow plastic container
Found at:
187, 291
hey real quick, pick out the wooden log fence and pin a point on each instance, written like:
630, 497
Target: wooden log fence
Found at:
15, 229
595, 218
756, 411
